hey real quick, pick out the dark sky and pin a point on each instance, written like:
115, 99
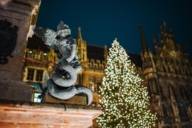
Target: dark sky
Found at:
103, 20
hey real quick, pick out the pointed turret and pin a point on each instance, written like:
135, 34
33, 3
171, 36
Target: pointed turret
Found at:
79, 35
156, 43
143, 40
163, 27
81, 46
79, 39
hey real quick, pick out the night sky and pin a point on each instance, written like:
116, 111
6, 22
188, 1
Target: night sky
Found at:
103, 20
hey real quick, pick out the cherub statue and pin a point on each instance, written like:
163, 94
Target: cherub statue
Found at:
61, 84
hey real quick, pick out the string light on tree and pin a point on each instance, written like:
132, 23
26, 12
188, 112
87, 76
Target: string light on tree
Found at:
124, 101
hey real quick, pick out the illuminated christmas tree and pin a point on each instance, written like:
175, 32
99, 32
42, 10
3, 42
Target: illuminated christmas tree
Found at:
124, 100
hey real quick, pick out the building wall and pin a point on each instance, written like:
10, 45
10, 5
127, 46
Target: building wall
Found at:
168, 75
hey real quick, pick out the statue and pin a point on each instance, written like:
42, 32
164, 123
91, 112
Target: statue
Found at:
61, 84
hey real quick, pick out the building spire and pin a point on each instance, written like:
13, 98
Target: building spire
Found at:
143, 39
163, 28
79, 36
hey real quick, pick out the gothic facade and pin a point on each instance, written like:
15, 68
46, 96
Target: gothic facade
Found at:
93, 60
168, 74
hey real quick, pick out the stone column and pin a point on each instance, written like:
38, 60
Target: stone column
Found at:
18, 14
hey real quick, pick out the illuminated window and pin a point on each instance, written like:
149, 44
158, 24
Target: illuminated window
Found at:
97, 87
37, 98
39, 75
44, 56
37, 95
93, 88
30, 74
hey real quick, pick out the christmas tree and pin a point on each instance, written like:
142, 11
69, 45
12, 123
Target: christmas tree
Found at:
124, 100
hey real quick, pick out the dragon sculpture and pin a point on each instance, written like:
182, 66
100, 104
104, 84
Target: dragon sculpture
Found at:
61, 84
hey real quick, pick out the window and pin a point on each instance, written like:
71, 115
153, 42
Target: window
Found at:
30, 74
39, 75
93, 88
34, 75
37, 98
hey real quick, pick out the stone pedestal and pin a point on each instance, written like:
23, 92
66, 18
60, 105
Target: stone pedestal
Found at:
16, 19
76, 100
46, 116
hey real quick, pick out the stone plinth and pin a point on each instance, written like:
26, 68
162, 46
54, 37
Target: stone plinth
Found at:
46, 116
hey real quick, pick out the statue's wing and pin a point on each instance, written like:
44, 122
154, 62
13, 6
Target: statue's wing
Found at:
47, 35
50, 37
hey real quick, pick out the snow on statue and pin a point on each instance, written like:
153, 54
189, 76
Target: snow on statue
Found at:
62, 83
124, 100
